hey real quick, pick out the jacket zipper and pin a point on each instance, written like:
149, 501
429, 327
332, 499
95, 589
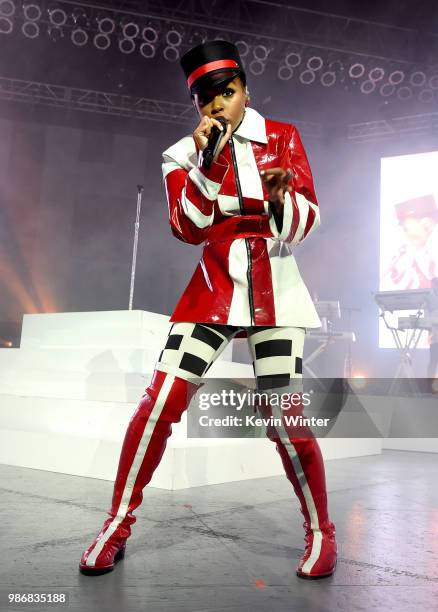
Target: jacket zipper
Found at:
248, 248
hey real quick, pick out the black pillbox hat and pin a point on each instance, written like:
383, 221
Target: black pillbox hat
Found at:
210, 64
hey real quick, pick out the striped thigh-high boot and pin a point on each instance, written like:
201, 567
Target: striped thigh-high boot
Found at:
277, 354
163, 403
304, 466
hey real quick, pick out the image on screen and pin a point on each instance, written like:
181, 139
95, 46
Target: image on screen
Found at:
408, 228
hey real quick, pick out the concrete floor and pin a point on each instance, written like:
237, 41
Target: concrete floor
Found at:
229, 547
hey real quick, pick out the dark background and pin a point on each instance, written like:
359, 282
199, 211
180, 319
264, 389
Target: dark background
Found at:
68, 177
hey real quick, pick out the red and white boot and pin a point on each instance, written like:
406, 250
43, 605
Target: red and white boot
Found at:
163, 403
304, 466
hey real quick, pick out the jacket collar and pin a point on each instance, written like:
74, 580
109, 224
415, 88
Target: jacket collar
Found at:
253, 126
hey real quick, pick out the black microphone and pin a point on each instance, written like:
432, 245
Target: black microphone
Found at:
214, 140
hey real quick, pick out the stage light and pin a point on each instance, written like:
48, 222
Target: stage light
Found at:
126, 45
426, 95
376, 74
55, 33
433, 81
396, 77
171, 54
79, 37
80, 17
6, 25
242, 47
356, 71
285, 73
30, 29
131, 30
293, 59
315, 62
404, 92
147, 50
387, 89
256, 67
101, 42
307, 77
106, 25
150, 34
7, 8
367, 87
260, 53
174, 38
418, 78
57, 17
32, 11
328, 78
198, 37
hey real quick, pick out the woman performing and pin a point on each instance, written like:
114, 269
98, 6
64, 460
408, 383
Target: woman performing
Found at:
250, 203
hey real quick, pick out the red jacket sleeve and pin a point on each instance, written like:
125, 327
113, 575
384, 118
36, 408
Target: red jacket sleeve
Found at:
301, 211
191, 192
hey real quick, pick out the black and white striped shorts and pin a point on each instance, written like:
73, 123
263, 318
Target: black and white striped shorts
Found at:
276, 352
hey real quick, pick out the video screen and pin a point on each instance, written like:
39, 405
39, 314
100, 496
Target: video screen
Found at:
408, 228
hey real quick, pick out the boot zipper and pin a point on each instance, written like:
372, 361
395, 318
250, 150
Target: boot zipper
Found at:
248, 248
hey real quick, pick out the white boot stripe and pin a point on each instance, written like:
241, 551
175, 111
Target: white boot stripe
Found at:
135, 467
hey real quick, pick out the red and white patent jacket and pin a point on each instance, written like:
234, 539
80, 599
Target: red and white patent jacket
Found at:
247, 274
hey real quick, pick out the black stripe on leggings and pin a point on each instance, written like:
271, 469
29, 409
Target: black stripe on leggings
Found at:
174, 342
272, 381
205, 334
273, 348
193, 364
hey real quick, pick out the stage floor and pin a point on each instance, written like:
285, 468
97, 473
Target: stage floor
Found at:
231, 546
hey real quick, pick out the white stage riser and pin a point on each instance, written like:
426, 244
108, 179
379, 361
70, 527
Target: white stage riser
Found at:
67, 395
85, 439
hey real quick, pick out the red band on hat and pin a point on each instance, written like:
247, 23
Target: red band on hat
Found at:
209, 67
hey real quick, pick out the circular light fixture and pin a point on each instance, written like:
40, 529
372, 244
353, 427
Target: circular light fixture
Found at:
404, 92
396, 77
368, 87
426, 95
307, 77
147, 50
79, 37
356, 71
173, 38
57, 17
106, 25
293, 59
32, 12
30, 29
149, 34
260, 52
7, 8
101, 42
315, 62
130, 30
387, 89
285, 73
171, 54
376, 74
256, 67
418, 78
328, 78
242, 47
433, 81
127, 45
6, 25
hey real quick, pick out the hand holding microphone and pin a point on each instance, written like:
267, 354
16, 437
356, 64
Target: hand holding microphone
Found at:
211, 135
